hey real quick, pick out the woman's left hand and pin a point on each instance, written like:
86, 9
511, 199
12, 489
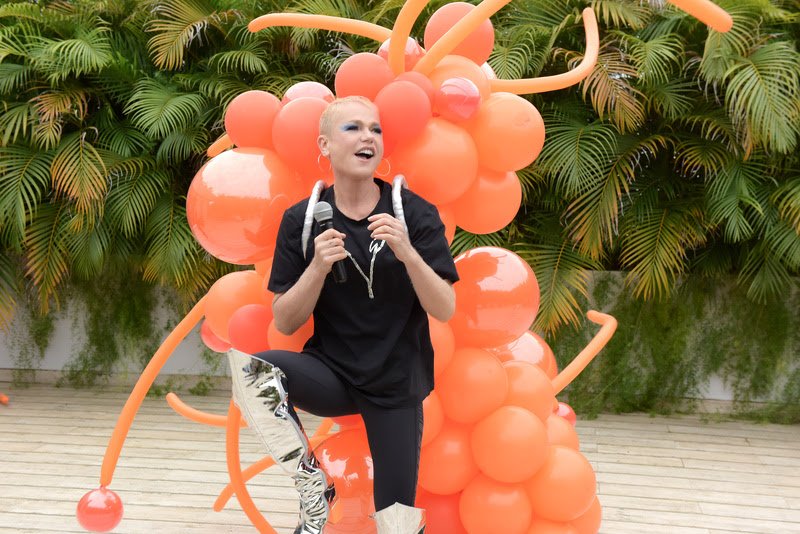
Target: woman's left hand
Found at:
384, 226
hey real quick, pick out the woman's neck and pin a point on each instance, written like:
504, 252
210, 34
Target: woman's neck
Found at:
356, 198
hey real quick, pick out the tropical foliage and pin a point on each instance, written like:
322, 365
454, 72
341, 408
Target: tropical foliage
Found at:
677, 155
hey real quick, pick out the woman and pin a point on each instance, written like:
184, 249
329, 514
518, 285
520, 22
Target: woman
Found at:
371, 352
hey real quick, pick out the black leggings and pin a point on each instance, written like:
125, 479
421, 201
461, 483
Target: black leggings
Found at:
394, 434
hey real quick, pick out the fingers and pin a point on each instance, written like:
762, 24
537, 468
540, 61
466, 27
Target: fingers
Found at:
329, 247
384, 226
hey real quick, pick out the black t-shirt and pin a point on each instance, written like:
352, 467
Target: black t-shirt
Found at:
378, 344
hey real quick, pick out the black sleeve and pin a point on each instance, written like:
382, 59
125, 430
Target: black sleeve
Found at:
288, 264
426, 232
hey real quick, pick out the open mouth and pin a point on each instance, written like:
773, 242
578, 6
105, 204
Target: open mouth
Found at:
365, 154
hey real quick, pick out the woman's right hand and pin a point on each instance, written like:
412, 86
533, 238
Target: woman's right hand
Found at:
328, 249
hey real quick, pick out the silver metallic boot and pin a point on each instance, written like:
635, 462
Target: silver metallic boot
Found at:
262, 399
400, 519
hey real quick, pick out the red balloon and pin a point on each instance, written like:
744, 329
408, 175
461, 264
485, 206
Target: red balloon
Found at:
99, 510
565, 410
457, 99
441, 512
446, 465
440, 163
363, 74
530, 388
412, 53
236, 201
529, 347
491, 507
404, 110
564, 488
211, 340
247, 328
473, 385
308, 89
249, 117
490, 203
230, 293
497, 297
477, 45
295, 132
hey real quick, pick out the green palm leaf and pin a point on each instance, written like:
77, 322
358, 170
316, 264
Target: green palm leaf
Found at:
47, 253
787, 200
251, 59
181, 144
24, 182
79, 172
9, 287
159, 110
764, 273
88, 248
137, 185
16, 121
14, 77
89, 52
464, 241
616, 13
672, 99
731, 197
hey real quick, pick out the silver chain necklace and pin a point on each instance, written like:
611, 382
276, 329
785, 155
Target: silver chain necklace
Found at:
374, 247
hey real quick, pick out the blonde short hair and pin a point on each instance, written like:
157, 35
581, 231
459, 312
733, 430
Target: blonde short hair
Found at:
328, 116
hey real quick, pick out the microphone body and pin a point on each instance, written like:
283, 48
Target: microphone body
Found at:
323, 214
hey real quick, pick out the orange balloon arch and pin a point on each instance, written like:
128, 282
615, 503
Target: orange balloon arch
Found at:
499, 452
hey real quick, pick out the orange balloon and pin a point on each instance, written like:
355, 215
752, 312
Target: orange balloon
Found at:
264, 268
530, 388
497, 297
446, 465
459, 67
347, 422
706, 12
247, 328
294, 342
508, 132
544, 526
491, 202
564, 410
211, 340
440, 163
236, 201
434, 417
412, 53
404, 111
295, 132
363, 74
420, 80
441, 512
346, 459
308, 89
509, 445
227, 295
564, 488
476, 46
457, 99
561, 432
491, 507
444, 344
447, 214
473, 385
589, 521
529, 347
249, 117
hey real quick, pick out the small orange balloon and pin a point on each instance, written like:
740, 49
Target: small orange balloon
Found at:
264, 268
308, 89
444, 344
404, 111
446, 465
362, 74
294, 342
589, 521
565, 486
529, 347
211, 340
247, 328
347, 462
510, 444
347, 422
441, 512
508, 132
227, 295
420, 80
544, 526
249, 117
491, 507
490, 203
530, 388
433, 416
447, 214
561, 432
476, 46
295, 132
412, 52
459, 67
473, 385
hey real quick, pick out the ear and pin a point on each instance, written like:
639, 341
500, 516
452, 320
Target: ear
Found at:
322, 143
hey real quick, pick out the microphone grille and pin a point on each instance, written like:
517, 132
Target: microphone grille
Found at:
323, 211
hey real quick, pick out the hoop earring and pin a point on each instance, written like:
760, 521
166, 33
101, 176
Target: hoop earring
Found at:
388, 169
323, 169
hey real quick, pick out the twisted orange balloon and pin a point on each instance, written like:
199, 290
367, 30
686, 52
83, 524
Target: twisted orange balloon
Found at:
608, 327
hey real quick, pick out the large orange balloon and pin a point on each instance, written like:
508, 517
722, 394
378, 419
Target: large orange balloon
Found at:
529, 347
459, 67
589, 521
227, 295
440, 163
473, 385
433, 417
497, 297
236, 201
491, 507
509, 445
446, 213
249, 117
404, 110
247, 328
444, 344
561, 432
441, 512
508, 132
446, 465
476, 46
362, 74
564, 488
308, 89
530, 388
295, 132
294, 342
412, 52
544, 526
491, 202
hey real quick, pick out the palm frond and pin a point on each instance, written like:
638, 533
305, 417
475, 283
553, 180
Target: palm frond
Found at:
159, 110
464, 241
88, 248
14, 77
784, 243
621, 13
787, 200
764, 274
695, 155
88, 52
53, 104
121, 138
47, 254
731, 195
16, 121
137, 185
9, 288
656, 59
510, 61
24, 181
547, 13
79, 172
250, 59
672, 99
180, 144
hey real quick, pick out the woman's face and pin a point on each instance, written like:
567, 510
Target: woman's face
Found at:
354, 143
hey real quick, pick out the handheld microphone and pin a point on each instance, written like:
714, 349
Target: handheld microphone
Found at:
323, 214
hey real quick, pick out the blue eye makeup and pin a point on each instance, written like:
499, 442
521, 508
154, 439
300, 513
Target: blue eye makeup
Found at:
349, 127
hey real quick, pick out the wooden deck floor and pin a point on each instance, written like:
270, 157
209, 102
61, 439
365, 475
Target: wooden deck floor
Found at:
656, 475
